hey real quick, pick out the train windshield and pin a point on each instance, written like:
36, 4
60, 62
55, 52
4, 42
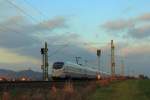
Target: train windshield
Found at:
58, 65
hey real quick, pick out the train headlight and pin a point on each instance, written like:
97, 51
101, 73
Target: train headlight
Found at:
23, 79
98, 76
1, 79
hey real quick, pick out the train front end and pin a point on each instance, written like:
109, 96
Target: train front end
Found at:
58, 70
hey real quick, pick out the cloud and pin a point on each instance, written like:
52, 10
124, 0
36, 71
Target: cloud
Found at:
54, 43
19, 32
24, 44
137, 49
137, 59
118, 25
10, 57
18, 40
144, 17
64, 38
140, 32
12, 34
61, 48
19, 24
136, 28
58, 22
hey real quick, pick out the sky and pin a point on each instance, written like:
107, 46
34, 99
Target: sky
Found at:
75, 28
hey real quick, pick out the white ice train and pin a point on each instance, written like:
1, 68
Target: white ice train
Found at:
65, 70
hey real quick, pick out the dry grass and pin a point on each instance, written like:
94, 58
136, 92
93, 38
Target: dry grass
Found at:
69, 92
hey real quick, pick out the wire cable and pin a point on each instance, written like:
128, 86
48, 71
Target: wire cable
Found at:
21, 10
37, 10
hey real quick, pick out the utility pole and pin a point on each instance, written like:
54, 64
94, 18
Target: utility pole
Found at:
44, 66
112, 59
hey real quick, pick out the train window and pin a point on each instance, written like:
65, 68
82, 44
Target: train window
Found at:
58, 65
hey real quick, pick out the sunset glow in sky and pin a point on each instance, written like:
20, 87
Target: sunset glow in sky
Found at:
75, 28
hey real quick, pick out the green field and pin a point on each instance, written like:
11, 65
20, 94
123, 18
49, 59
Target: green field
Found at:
116, 90
125, 90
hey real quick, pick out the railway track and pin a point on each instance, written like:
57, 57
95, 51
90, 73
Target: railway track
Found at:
7, 85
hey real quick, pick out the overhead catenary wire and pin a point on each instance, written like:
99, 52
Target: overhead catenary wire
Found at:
27, 14
58, 50
36, 9
22, 11
3, 28
33, 19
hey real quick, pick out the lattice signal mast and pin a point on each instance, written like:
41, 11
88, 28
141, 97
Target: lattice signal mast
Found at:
112, 59
44, 66
99, 55
122, 67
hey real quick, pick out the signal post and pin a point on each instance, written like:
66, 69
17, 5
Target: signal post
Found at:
112, 60
44, 66
99, 55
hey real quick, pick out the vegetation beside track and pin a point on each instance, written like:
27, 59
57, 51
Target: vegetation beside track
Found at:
124, 90
101, 90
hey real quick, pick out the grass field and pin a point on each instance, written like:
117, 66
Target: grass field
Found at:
125, 90
116, 90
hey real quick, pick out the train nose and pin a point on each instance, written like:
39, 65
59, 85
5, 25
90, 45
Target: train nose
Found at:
57, 73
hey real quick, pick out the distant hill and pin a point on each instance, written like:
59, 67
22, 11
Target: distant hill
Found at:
30, 74
17, 74
7, 73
